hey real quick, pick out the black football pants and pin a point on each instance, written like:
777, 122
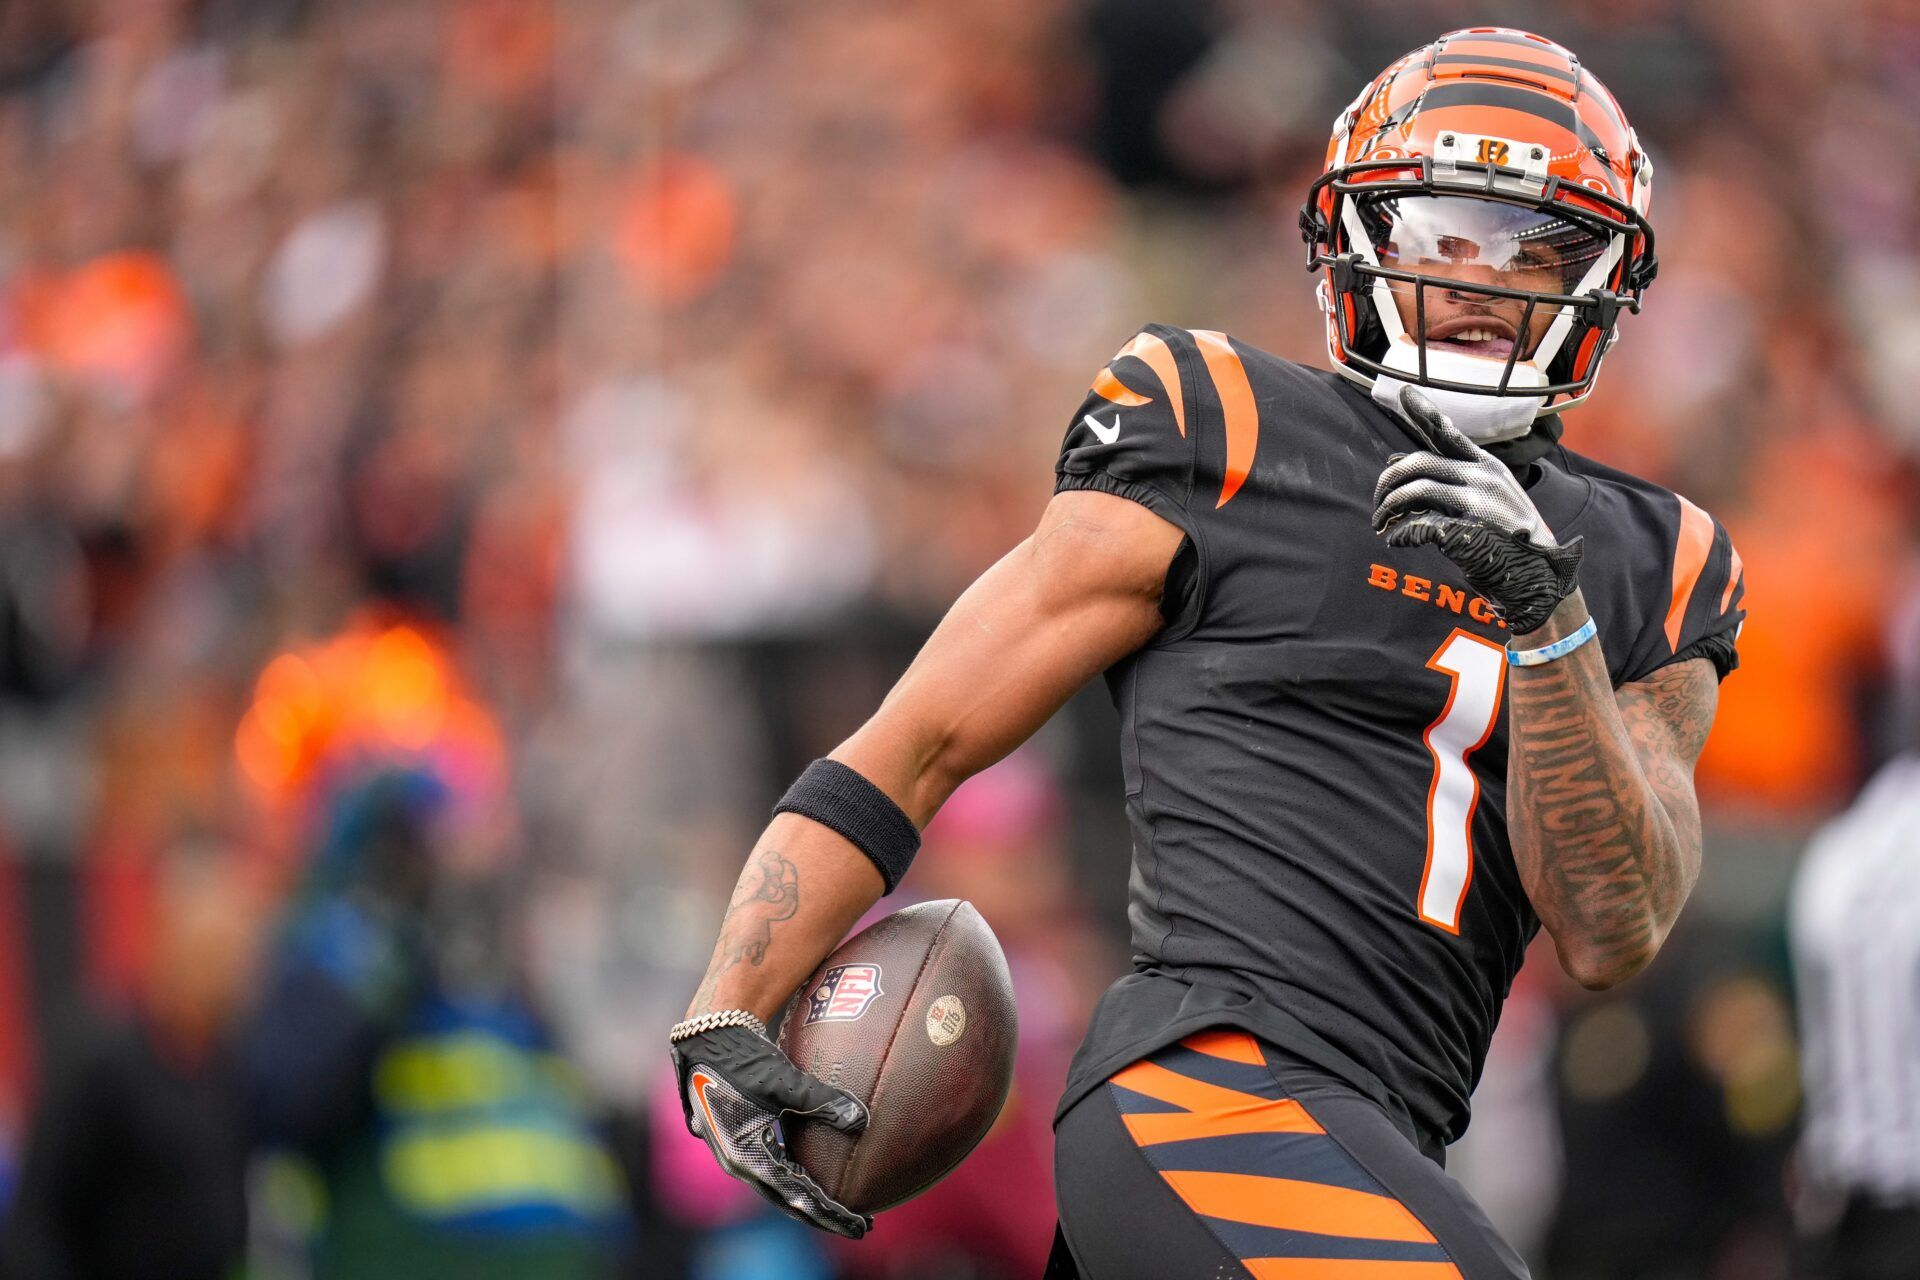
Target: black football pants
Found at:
1225, 1158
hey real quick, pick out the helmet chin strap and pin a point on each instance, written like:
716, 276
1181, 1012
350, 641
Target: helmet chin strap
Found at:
1483, 419
1531, 447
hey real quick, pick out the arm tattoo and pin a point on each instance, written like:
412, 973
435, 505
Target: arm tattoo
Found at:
1604, 822
767, 893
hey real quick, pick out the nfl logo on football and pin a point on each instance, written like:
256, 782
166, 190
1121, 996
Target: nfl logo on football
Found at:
844, 993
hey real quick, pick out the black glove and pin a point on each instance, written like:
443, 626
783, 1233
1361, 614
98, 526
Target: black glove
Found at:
734, 1085
1458, 497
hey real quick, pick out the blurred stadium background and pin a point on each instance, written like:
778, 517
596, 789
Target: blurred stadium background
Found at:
459, 459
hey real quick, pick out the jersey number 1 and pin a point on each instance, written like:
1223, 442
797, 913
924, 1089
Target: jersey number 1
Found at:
1478, 668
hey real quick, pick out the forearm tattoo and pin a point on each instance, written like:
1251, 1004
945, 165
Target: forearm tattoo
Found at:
768, 892
1605, 827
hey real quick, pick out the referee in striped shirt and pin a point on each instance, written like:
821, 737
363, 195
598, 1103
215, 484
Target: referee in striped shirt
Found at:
1855, 931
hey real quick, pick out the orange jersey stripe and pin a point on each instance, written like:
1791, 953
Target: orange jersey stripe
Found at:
1158, 357
1297, 1206
1111, 388
1237, 407
1733, 578
1234, 1046
1347, 1269
1689, 558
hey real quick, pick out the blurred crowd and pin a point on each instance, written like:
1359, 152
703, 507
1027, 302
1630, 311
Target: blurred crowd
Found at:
459, 458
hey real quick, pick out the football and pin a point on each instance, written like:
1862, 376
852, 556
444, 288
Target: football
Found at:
914, 1016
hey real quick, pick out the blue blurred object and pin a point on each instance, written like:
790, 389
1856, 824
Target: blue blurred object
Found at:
769, 1248
422, 1093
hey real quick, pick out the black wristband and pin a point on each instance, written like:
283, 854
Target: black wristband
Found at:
840, 798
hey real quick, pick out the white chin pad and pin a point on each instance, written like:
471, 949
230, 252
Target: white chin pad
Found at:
1483, 418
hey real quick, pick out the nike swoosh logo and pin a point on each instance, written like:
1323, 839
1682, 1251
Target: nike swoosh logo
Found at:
699, 1082
1106, 435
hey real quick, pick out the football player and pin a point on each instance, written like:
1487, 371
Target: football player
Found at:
1400, 678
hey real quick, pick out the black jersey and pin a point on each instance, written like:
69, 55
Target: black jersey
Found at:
1315, 745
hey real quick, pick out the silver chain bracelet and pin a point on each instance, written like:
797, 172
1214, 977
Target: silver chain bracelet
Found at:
713, 1022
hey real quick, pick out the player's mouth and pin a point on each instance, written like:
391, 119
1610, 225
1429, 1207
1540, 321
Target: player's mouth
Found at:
1475, 335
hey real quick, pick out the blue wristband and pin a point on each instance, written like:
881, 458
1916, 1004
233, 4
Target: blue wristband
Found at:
1558, 649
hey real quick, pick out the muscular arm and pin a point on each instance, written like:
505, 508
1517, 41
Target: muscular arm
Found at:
1081, 593
1600, 800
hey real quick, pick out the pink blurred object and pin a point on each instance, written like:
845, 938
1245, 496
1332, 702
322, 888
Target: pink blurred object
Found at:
1016, 801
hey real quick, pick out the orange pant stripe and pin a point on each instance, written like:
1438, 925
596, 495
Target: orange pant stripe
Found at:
1234, 1046
1347, 1269
1297, 1206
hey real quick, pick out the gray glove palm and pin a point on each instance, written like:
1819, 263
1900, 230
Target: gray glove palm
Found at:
1457, 497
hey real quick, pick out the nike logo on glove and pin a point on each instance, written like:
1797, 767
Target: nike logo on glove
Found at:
698, 1083
1106, 435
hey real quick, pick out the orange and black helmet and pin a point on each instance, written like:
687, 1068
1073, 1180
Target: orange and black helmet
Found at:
1490, 167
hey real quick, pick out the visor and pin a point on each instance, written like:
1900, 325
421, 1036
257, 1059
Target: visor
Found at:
1474, 256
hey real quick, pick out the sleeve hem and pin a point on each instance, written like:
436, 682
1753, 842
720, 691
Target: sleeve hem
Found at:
1174, 513
1146, 495
1717, 648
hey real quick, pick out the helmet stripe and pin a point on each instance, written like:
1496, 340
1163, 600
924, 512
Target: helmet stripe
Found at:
1537, 68
1594, 94
1511, 38
1513, 97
